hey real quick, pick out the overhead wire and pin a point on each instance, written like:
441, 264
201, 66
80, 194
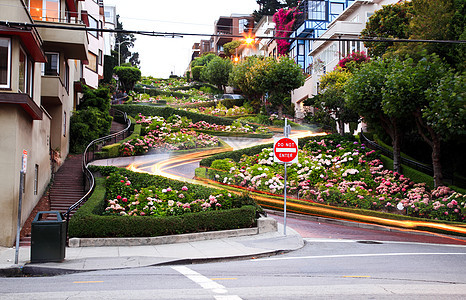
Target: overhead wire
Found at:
20, 25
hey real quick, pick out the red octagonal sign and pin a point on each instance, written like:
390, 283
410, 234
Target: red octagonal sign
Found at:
285, 150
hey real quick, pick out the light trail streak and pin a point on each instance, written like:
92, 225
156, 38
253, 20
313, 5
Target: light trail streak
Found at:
316, 209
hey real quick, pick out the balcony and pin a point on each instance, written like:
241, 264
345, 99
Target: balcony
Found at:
339, 29
52, 90
73, 43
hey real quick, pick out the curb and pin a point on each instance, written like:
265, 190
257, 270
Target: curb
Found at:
264, 225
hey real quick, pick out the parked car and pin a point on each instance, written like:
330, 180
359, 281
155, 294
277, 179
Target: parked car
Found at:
232, 96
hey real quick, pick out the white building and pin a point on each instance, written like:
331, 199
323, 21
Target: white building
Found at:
109, 23
326, 54
94, 70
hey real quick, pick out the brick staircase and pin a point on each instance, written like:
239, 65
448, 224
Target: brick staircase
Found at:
67, 187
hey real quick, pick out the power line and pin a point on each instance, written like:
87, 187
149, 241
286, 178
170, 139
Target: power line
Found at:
28, 26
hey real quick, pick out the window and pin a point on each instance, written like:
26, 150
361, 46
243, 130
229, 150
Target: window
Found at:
36, 179
22, 81
67, 77
5, 59
101, 58
93, 24
317, 10
101, 26
92, 61
336, 8
301, 49
51, 67
64, 123
45, 10
243, 25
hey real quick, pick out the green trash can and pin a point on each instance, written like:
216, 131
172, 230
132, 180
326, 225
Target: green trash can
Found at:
48, 238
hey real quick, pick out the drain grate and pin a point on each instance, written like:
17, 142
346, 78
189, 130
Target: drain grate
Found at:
369, 242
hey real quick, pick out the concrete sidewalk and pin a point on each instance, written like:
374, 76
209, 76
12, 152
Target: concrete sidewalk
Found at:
204, 247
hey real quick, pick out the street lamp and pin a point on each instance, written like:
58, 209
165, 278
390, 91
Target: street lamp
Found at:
119, 51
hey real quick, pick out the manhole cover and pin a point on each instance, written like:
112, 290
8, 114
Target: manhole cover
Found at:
369, 242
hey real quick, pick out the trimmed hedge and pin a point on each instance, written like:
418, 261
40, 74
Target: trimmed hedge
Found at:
88, 221
153, 92
134, 110
238, 134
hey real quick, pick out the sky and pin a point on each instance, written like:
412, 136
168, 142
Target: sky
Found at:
160, 56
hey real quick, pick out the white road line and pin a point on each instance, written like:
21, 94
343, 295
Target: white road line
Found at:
355, 255
206, 283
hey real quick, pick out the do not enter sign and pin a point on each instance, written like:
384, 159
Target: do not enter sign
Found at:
285, 150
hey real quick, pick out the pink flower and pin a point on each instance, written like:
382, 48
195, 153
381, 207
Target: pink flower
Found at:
119, 197
124, 200
169, 189
184, 188
122, 181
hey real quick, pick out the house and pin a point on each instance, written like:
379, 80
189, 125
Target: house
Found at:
228, 29
263, 32
323, 56
40, 78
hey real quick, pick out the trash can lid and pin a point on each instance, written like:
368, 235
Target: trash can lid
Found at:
38, 217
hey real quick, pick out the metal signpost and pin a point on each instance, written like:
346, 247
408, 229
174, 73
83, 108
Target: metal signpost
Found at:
285, 150
21, 185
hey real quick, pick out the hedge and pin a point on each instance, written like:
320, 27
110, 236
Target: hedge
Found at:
237, 134
134, 110
88, 221
153, 92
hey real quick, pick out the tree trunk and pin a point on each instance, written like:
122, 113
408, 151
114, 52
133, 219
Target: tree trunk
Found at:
434, 143
438, 176
396, 141
341, 126
280, 112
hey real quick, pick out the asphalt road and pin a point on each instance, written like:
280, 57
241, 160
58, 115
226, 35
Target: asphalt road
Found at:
322, 269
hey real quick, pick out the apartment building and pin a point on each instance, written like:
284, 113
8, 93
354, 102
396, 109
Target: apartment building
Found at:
228, 29
325, 55
93, 71
40, 77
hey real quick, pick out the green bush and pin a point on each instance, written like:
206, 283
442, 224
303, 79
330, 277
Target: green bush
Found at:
87, 125
89, 221
196, 72
128, 76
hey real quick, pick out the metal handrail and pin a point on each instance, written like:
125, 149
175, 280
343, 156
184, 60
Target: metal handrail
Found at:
87, 173
411, 163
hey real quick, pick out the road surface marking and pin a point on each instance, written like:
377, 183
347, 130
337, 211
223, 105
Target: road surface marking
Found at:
206, 283
355, 255
223, 278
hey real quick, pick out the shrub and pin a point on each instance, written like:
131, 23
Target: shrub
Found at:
196, 72
87, 125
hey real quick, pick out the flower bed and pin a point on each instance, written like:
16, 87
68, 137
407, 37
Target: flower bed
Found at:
341, 172
96, 219
123, 199
221, 111
170, 134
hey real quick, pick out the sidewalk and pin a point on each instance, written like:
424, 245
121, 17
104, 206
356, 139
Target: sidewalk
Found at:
210, 246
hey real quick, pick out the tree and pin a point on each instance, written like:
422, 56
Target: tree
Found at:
196, 72
217, 72
258, 76
124, 41
270, 7
128, 76
406, 93
441, 20
282, 77
391, 21
364, 95
230, 48
332, 98
203, 60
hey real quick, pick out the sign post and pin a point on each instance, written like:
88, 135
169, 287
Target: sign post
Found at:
285, 150
24, 163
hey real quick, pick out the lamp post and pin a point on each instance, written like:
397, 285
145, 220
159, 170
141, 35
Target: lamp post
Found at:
119, 51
